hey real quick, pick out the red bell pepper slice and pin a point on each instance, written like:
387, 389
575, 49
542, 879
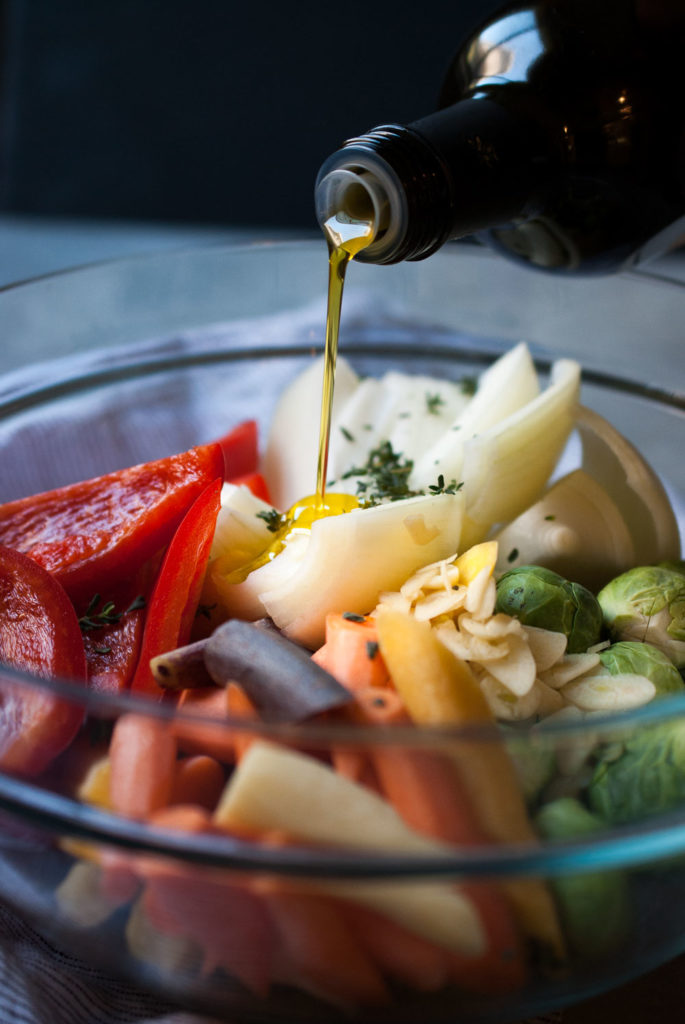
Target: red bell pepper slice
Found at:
112, 626
239, 446
176, 596
105, 528
39, 633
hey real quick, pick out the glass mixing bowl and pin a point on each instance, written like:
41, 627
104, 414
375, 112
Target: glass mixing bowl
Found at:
121, 363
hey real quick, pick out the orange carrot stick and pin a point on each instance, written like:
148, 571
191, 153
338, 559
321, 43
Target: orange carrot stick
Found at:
371, 706
400, 955
199, 779
216, 741
182, 818
142, 757
318, 951
424, 787
240, 706
228, 921
351, 652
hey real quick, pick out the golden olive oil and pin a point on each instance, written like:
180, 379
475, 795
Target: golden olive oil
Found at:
345, 237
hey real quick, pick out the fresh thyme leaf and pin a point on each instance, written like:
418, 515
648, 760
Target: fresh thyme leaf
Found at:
434, 402
468, 385
346, 434
107, 616
206, 610
273, 519
550, 518
103, 650
513, 555
371, 649
388, 472
440, 488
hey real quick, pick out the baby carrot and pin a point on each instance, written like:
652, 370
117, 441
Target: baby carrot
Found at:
142, 756
372, 705
199, 779
318, 951
400, 955
204, 737
227, 920
351, 652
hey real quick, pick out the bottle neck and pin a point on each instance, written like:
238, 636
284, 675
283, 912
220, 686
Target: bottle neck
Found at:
393, 178
453, 173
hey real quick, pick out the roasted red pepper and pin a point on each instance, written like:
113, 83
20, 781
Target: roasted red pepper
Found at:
112, 625
175, 599
104, 529
39, 633
240, 450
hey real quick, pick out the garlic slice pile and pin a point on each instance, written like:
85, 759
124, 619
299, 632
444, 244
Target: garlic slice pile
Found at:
523, 672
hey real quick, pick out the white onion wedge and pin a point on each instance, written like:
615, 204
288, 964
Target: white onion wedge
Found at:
411, 411
634, 486
350, 559
344, 562
240, 533
506, 467
576, 529
290, 458
508, 385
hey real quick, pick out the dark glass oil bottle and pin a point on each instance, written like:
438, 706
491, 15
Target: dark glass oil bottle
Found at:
559, 140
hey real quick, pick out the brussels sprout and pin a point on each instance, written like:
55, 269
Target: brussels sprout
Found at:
534, 762
632, 657
648, 603
648, 778
594, 906
541, 597
677, 566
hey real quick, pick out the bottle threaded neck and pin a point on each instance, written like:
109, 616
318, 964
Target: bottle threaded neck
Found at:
409, 189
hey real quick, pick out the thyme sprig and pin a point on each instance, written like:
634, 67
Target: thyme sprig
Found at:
107, 615
273, 518
434, 402
385, 476
440, 488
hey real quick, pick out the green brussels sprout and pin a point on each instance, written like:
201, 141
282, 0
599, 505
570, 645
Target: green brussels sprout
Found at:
677, 566
648, 603
534, 761
632, 657
648, 778
541, 597
594, 906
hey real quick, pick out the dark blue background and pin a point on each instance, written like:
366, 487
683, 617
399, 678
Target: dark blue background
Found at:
205, 111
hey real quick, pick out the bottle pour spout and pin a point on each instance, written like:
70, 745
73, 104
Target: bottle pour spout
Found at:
355, 195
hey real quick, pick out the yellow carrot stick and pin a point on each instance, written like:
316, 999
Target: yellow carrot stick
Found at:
439, 689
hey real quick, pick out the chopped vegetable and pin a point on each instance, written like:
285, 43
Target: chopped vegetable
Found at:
278, 676
39, 634
647, 603
594, 905
438, 689
105, 528
543, 598
175, 599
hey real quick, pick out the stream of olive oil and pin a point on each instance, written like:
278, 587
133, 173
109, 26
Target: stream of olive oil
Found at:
345, 238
